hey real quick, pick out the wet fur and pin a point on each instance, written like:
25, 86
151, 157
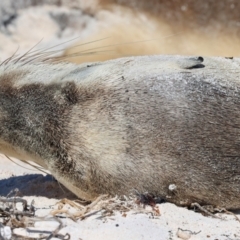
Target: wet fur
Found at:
134, 124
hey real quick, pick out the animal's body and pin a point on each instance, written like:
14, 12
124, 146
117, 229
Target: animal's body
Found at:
166, 125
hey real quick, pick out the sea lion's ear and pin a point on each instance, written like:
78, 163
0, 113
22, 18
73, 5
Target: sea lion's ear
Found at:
191, 63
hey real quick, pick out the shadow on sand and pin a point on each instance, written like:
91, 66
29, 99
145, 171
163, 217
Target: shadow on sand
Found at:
35, 185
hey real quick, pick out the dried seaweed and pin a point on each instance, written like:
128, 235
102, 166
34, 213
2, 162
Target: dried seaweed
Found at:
14, 216
107, 206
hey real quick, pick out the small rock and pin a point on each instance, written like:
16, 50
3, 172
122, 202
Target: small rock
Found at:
183, 234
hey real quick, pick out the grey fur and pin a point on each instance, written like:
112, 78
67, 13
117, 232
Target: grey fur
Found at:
142, 123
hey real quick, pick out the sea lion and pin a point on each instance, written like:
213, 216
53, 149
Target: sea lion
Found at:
166, 125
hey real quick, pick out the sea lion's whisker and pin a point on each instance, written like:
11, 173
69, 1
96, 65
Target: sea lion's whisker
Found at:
127, 43
42, 57
34, 166
60, 44
77, 54
45, 50
18, 59
6, 61
95, 48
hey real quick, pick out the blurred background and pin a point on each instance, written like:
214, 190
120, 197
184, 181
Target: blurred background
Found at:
106, 29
